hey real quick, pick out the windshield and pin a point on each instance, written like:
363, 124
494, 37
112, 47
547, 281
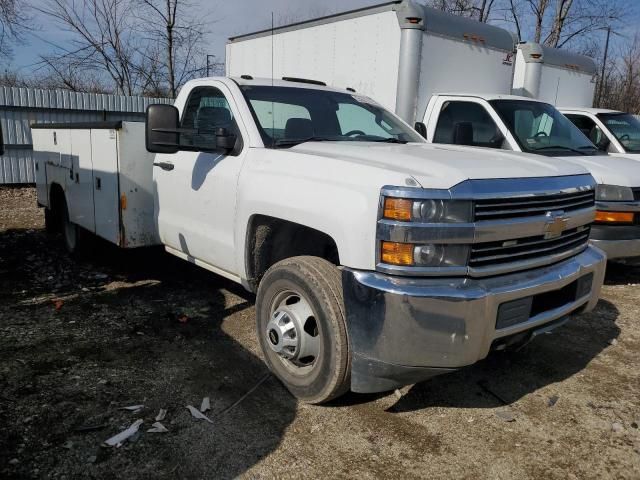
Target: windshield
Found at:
287, 116
540, 128
625, 127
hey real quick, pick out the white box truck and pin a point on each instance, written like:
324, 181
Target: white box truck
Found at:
378, 259
453, 77
555, 76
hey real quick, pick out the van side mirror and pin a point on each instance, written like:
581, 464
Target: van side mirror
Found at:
162, 129
224, 140
421, 128
463, 133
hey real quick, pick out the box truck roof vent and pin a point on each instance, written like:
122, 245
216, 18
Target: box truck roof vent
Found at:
304, 80
349, 89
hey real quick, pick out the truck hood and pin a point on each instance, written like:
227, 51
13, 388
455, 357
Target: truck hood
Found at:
610, 169
442, 166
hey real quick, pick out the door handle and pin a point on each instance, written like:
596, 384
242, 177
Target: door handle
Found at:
164, 165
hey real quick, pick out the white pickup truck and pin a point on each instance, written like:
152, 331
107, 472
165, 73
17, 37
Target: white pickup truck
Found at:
420, 54
378, 259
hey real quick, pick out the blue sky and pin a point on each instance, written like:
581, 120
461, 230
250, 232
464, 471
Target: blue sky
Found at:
229, 17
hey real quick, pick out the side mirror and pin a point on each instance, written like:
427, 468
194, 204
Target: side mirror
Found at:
224, 140
162, 129
600, 140
497, 140
421, 128
463, 133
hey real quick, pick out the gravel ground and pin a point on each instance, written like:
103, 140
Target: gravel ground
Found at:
79, 339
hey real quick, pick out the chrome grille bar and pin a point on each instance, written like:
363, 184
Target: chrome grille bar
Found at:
522, 207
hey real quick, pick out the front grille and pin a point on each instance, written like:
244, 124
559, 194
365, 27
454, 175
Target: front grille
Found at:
508, 251
496, 209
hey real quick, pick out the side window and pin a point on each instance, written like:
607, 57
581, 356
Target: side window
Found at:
588, 127
207, 110
485, 131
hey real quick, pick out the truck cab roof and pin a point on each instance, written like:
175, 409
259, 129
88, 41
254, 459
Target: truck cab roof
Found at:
292, 83
489, 96
594, 111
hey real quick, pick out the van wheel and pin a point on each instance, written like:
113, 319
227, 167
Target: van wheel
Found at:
302, 330
72, 235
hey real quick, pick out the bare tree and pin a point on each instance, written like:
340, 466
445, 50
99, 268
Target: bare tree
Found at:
102, 39
13, 19
174, 31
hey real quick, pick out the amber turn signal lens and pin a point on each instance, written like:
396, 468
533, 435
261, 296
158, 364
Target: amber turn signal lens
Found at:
614, 217
397, 253
397, 209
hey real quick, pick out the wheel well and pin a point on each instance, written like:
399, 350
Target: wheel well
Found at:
270, 240
56, 200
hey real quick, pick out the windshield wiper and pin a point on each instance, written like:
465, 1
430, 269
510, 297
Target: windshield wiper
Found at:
292, 142
390, 140
560, 147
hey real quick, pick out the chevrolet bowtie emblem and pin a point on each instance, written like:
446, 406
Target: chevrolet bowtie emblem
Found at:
556, 224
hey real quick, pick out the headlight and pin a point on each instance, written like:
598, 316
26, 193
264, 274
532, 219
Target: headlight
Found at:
613, 193
425, 255
427, 211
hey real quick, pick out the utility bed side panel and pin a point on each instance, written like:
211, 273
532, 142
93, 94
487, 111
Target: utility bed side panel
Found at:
461, 66
138, 220
44, 153
361, 53
104, 146
79, 192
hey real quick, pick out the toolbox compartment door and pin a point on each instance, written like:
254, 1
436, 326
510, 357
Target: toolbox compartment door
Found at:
80, 180
106, 191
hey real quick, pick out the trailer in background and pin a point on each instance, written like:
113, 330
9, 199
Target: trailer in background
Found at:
555, 76
399, 53
103, 174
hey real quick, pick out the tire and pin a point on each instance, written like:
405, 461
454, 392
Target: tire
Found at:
51, 222
303, 295
72, 235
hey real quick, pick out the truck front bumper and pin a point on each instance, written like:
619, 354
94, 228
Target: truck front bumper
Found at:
404, 330
618, 242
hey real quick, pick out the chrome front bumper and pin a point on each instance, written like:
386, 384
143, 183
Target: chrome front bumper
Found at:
619, 249
403, 330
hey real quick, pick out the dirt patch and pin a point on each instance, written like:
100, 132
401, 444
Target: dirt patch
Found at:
80, 338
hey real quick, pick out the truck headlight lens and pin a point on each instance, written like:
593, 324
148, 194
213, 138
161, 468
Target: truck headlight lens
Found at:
426, 255
427, 211
614, 193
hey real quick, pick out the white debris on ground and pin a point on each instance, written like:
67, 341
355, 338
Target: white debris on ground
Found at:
195, 413
120, 438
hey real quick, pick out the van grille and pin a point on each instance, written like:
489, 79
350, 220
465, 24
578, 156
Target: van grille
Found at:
496, 209
508, 251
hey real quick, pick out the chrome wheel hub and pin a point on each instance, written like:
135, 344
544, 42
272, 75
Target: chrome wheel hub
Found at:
292, 331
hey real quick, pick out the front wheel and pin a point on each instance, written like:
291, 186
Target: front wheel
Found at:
302, 330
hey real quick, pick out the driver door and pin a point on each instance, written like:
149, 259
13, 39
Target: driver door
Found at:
196, 190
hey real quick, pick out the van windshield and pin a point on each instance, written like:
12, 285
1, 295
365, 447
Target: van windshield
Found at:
540, 128
288, 116
625, 127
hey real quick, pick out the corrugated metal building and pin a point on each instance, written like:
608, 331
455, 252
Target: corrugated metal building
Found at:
20, 107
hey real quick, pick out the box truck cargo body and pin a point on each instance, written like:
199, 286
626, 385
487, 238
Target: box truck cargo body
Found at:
555, 76
398, 53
